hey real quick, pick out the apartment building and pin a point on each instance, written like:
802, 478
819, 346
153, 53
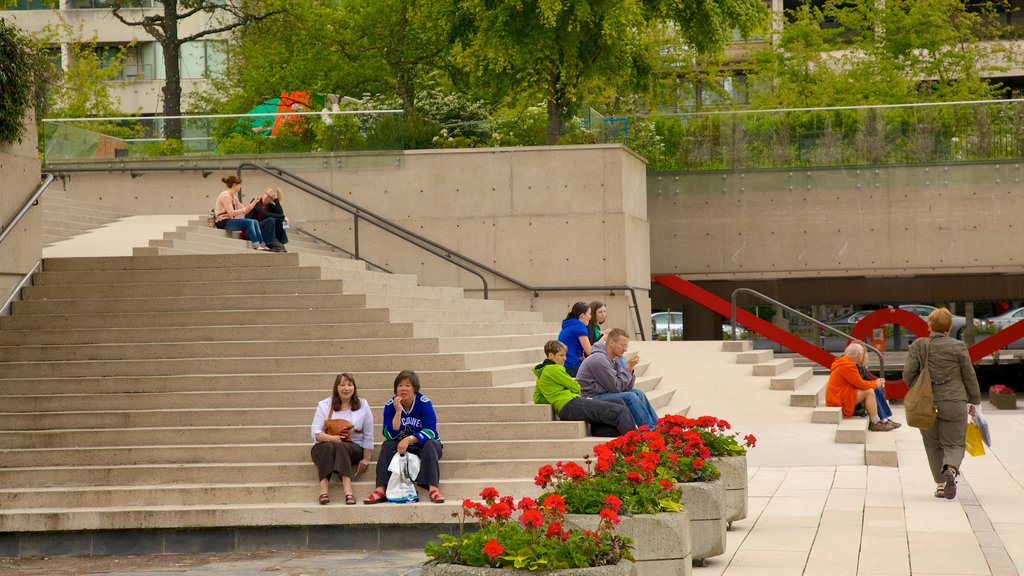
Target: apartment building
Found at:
138, 86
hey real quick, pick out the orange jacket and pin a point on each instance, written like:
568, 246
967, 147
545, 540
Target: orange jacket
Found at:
843, 383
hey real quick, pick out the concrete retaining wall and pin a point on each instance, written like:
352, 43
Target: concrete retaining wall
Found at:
19, 176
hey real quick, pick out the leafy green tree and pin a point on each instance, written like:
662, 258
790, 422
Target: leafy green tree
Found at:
164, 26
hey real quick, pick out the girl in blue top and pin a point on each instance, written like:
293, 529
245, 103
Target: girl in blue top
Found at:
410, 424
574, 336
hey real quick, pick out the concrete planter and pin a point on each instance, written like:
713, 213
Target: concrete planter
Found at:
623, 568
734, 482
705, 503
661, 541
1003, 401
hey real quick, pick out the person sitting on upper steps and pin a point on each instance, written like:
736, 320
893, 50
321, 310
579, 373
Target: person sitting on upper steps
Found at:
602, 376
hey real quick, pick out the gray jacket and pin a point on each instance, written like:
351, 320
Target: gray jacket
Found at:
949, 365
600, 374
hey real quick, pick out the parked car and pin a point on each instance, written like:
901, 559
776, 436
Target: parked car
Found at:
664, 322
923, 310
849, 319
1006, 318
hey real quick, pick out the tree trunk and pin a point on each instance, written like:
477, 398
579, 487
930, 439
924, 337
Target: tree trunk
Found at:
172, 68
555, 113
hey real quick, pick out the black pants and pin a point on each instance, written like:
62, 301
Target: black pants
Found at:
336, 458
269, 227
608, 418
430, 462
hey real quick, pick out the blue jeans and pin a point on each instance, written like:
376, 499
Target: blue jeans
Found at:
248, 225
883, 407
638, 404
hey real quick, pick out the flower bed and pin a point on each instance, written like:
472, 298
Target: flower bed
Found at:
1002, 397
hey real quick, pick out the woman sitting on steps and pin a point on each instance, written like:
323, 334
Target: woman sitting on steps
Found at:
228, 212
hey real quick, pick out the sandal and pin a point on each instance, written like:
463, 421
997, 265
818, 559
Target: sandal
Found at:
940, 491
436, 497
375, 497
325, 498
350, 499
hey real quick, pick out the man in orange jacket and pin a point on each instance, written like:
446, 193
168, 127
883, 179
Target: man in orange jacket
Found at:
846, 388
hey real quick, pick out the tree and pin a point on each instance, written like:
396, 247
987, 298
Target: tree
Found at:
554, 48
225, 15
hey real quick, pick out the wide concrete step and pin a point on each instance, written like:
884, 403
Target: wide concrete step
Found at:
164, 418
737, 345
853, 431
754, 356
234, 273
52, 201
827, 415
382, 380
188, 304
281, 348
809, 394
88, 400
234, 494
483, 328
199, 318
249, 452
126, 517
125, 263
257, 357
71, 218
880, 449
298, 470
790, 379
773, 367
225, 333
110, 437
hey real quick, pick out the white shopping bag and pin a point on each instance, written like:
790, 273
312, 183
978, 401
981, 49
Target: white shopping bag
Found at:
401, 485
986, 436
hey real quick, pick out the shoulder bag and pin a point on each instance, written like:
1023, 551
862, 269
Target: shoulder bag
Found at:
920, 406
338, 427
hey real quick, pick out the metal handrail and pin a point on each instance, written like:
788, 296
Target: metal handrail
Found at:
308, 234
881, 358
5, 310
439, 250
5, 230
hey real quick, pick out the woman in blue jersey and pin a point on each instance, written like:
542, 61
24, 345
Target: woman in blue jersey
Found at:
574, 336
410, 424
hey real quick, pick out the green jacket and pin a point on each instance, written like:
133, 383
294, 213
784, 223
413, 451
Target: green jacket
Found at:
554, 385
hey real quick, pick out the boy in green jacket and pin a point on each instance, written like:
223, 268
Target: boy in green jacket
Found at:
554, 386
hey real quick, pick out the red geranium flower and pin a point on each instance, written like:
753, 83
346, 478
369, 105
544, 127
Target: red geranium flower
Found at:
634, 477
554, 531
666, 484
527, 503
489, 493
501, 510
531, 518
554, 501
573, 470
698, 463
610, 515
612, 501
493, 548
751, 440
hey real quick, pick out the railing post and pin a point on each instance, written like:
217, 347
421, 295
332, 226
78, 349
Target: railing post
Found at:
355, 231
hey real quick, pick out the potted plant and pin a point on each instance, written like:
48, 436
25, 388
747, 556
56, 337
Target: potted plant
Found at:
649, 509
725, 452
539, 539
1002, 397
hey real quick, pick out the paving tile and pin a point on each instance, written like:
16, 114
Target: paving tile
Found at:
846, 499
883, 555
780, 538
949, 552
851, 477
767, 563
830, 518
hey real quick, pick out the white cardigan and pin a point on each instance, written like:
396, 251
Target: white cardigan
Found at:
361, 419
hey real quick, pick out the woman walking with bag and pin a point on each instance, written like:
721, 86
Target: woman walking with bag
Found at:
955, 391
343, 437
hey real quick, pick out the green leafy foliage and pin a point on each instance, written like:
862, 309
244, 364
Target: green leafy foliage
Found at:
16, 80
537, 541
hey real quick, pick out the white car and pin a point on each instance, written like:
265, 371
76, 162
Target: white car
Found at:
663, 322
923, 310
1006, 318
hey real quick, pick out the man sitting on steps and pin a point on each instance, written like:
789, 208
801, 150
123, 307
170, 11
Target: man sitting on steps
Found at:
604, 377
556, 387
846, 388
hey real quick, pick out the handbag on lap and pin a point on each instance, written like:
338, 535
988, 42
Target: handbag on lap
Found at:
338, 427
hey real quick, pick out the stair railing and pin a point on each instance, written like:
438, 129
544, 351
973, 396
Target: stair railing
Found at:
802, 316
32, 200
462, 261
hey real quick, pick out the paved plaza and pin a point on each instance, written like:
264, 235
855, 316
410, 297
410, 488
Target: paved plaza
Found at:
830, 520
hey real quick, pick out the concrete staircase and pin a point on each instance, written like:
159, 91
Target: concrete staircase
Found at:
807, 389
176, 390
64, 218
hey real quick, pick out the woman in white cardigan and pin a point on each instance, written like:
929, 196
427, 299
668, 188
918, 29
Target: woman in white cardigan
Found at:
334, 454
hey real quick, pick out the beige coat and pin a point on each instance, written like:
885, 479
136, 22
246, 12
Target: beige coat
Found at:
952, 373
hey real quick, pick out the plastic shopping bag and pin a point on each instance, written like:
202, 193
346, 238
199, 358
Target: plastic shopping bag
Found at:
979, 419
401, 485
974, 443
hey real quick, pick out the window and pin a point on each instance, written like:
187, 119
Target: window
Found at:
203, 59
